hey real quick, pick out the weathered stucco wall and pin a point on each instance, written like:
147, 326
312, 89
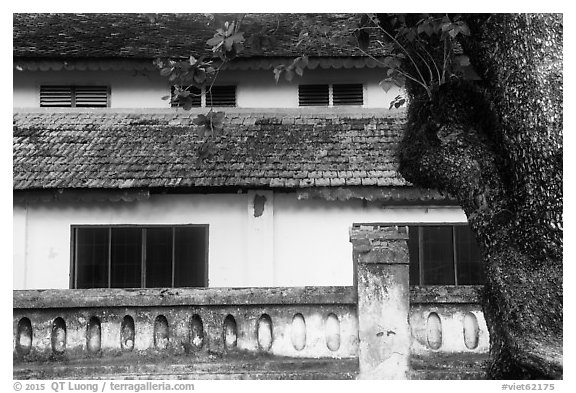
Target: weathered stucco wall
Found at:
290, 243
144, 89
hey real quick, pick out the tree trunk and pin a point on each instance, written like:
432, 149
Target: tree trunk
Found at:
496, 145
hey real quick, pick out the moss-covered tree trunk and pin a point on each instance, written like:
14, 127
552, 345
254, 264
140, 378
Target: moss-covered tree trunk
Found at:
496, 144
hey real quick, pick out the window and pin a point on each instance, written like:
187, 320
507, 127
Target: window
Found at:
444, 255
215, 96
74, 96
221, 96
350, 94
139, 257
331, 95
313, 95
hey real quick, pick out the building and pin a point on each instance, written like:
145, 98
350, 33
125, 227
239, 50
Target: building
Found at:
114, 188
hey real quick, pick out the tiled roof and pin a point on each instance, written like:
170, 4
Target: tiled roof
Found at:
111, 149
167, 35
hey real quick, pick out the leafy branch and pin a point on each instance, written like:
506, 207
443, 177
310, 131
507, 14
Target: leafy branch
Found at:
191, 75
411, 40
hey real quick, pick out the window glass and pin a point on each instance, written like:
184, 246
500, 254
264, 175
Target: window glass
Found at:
413, 250
126, 255
444, 255
470, 269
190, 266
158, 257
438, 255
92, 257
164, 256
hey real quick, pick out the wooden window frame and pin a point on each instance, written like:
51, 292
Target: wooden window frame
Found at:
331, 95
204, 101
73, 92
421, 261
73, 250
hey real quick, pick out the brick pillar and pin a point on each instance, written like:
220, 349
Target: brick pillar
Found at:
381, 262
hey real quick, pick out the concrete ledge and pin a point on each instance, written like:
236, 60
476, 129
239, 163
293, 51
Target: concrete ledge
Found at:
241, 366
85, 298
445, 294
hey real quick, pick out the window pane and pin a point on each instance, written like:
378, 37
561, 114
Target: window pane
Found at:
221, 96
313, 95
470, 269
91, 257
350, 94
438, 255
413, 250
158, 257
126, 257
191, 254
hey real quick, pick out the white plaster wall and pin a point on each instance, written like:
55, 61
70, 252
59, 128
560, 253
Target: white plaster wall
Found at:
129, 89
48, 252
19, 246
293, 243
311, 237
255, 89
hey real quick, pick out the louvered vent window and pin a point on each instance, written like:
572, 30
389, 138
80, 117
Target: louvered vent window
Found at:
74, 96
350, 94
221, 96
313, 95
195, 98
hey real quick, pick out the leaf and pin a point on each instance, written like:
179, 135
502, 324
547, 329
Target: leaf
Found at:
446, 26
228, 43
464, 29
187, 105
214, 41
386, 84
200, 76
278, 72
289, 75
237, 37
165, 98
200, 120
462, 60
165, 71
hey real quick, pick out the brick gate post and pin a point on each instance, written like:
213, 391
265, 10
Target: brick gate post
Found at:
381, 277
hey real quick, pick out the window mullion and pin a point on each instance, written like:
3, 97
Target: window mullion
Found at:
173, 255
75, 265
455, 253
73, 96
421, 254
143, 266
110, 257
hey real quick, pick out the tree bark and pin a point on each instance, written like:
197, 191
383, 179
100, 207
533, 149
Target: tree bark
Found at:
496, 145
